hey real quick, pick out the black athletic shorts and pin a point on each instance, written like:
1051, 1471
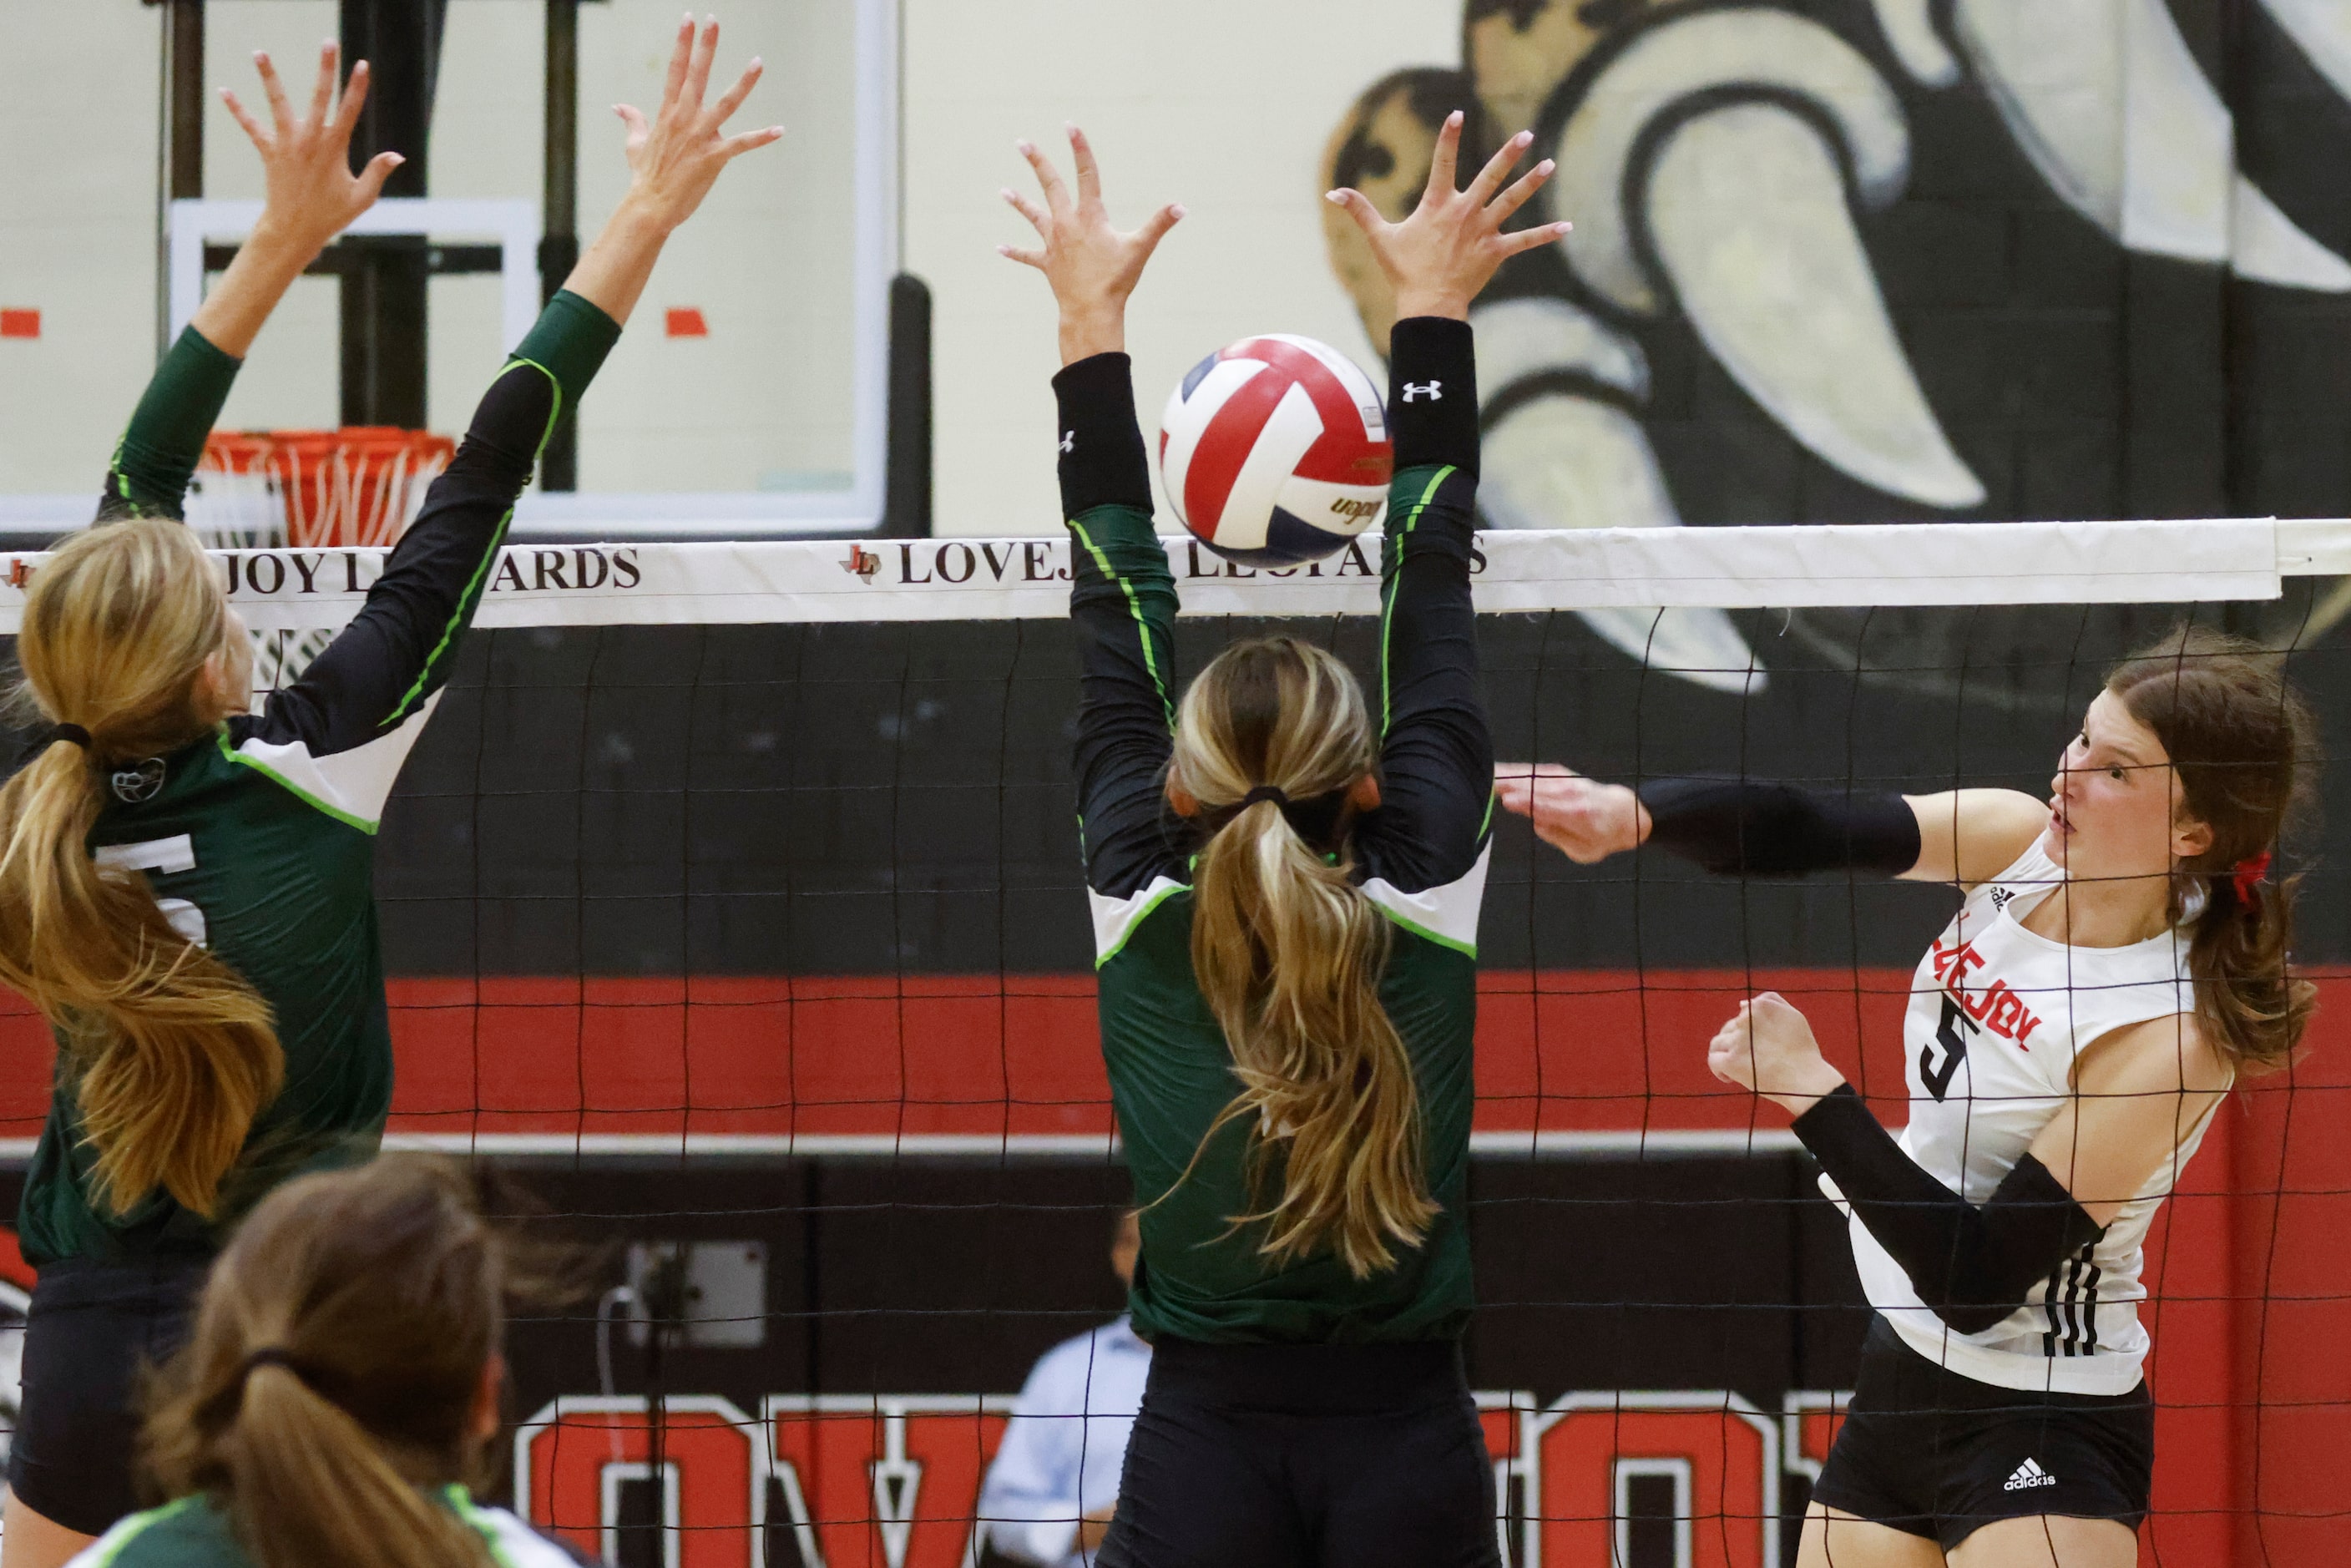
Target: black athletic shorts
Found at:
1932, 1453
1278, 1455
91, 1331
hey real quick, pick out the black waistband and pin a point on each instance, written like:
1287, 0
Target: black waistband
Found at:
1311, 1379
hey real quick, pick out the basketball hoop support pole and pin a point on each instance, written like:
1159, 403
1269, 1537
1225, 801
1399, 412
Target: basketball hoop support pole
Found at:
558, 245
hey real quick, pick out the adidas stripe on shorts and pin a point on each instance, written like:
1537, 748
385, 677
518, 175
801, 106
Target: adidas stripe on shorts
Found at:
1931, 1453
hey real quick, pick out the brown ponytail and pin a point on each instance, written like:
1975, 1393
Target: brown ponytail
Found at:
171, 1052
2239, 740
1289, 954
334, 1370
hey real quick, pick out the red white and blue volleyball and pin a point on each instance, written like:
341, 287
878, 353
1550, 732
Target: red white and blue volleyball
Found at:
1275, 451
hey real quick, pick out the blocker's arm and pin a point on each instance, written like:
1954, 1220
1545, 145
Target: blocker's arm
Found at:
1122, 607
312, 196
1971, 1264
1437, 754
383, 668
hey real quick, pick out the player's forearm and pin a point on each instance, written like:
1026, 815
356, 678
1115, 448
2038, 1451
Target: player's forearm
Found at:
613, 273
1433, 395
165, 439
1755, 827
240, 305
1971, 1264
1102, 458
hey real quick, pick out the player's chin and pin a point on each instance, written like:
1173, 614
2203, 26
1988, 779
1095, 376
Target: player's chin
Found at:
2052, 843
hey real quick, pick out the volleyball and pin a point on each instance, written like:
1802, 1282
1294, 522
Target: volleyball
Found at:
1275, 451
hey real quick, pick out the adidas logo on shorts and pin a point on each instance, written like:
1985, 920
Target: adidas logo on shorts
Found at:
2029, 1474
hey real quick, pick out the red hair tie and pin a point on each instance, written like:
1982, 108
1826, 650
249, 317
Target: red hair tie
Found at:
2249, 874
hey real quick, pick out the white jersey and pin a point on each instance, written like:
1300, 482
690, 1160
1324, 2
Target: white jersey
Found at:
1997, 1016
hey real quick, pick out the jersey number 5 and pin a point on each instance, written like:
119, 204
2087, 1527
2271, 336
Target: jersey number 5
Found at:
175, 853
1955, 1049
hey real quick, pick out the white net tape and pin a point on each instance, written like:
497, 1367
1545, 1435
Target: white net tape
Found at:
981, 579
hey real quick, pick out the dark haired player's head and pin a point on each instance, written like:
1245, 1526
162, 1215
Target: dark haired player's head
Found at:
345, 1361
1274, 759
2236, 745
131, 651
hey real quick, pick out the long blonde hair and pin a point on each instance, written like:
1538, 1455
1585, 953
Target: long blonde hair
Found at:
170, 1053
338, 1353
1288, 955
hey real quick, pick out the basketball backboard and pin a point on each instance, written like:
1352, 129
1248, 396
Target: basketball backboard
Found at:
750, 395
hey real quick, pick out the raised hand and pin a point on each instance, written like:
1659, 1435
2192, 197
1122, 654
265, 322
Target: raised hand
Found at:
1581, 818
306, 160
675, 157
674, 160
1448, 250
1768, 1047
1091, 266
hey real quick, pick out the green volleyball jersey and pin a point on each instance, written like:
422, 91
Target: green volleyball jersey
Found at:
1420, 858
198, 1533
258, 839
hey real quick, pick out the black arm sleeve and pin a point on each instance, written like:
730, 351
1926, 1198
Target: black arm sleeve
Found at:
1745, 827
165, 440
1122, 606
1972, 1266
1437, 756
398, 650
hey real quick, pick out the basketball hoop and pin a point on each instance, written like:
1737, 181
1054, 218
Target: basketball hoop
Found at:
310, 489
362, 484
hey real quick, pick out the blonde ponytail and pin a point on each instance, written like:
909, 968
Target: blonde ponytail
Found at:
332, 1376
170, 1053
1288, 955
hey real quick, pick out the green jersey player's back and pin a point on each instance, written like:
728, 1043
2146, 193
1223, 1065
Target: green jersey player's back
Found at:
1420, 858
281, 888
198, 1533
258, 838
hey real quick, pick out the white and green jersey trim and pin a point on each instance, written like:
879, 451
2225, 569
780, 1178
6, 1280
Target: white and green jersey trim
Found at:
101, 1552
1447, 915
349, 786
512, 1543
1115, 919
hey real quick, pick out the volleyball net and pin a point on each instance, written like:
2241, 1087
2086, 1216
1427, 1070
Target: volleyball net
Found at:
733, 900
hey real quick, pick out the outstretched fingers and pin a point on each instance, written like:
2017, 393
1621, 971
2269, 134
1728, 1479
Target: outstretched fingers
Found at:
244, 117
732, 100
1048, 179
697, 71
1498, 168
355, 97
633, 119
1520, 192
1535, 238
1081, 154
322, 96
734, 147
1038, 217
1359, 207
680, 55
1443, 165
371, 178
1035, 258
281, 113
1155, 227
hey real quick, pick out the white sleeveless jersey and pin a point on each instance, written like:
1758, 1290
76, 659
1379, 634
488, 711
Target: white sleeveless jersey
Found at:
1997, 1017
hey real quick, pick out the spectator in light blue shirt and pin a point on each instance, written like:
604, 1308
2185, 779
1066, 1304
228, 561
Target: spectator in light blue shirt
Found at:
1052, 1490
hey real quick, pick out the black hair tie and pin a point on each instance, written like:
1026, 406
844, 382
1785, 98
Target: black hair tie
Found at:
72, 732
1264, 793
